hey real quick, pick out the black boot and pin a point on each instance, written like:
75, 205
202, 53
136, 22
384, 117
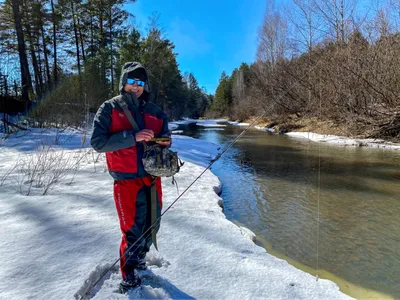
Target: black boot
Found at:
141, 264
131, 281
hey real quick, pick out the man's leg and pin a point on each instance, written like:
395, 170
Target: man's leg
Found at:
131, 204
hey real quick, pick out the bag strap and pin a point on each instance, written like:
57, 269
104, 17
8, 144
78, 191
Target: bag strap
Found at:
153, 192
129, 115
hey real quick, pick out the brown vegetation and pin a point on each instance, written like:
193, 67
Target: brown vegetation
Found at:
344, 78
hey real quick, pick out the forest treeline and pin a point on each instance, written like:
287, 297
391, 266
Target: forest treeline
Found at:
328, 59
69, 55
334, 60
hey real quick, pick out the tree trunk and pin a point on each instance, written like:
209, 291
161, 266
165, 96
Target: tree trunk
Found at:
102, 46
55, 70
342, 22
81, 40
16, 88
40, 65
38, 81
91, 31
46, 59
23, 59
111, 55
76, 38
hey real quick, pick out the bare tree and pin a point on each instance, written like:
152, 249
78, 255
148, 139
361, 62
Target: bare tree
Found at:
307, 33
272, 36
339, 16
306, 23
382, 22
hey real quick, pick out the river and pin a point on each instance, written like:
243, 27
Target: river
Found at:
330, 210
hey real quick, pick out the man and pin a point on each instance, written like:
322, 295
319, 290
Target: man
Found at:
114, 134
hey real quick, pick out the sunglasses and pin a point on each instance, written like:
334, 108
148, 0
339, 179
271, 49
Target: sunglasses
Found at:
132, 81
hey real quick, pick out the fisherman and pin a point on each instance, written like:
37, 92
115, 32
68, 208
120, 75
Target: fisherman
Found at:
114, 134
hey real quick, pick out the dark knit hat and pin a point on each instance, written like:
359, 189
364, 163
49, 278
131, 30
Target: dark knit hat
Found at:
138, 73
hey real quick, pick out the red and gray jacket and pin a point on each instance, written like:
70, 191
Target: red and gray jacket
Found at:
114, 135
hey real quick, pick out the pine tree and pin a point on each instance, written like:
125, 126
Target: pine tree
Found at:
223, 95
25, 74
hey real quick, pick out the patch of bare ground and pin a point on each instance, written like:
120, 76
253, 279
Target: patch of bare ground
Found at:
302, 124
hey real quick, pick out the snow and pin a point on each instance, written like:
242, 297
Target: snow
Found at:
57, 245
183, 121
238, 123
213, 129
210, 123
330, 139
173, 126
341, 140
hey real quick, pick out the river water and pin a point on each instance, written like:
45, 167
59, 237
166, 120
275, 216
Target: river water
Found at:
330, 210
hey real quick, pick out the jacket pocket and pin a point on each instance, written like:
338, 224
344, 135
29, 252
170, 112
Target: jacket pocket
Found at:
124, 160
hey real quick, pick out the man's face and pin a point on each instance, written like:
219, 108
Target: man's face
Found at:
134, 88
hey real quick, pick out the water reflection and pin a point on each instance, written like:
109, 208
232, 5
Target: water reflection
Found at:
270, 184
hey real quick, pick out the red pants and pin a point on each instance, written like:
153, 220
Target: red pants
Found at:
133, 203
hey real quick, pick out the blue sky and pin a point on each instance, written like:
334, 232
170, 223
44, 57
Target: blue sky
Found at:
209, 36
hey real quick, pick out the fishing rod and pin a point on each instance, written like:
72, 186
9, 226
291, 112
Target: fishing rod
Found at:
230, 145
158, 220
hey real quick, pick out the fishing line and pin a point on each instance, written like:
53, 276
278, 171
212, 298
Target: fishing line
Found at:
318, 199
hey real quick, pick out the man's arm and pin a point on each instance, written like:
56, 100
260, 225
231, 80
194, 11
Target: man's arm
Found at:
104, 141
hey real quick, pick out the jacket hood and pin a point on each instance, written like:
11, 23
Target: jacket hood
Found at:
129, 67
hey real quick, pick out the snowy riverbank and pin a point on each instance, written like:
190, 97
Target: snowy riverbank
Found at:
341, 140
331, 139
54, 246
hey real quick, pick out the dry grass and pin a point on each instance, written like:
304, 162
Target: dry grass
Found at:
41, 170
307, 124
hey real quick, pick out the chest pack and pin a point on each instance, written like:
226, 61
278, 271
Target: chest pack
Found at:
161, 161
158, 161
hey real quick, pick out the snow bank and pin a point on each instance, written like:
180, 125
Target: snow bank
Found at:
341, 140
56, 246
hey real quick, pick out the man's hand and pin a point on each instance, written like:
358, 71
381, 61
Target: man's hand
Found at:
144, 135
